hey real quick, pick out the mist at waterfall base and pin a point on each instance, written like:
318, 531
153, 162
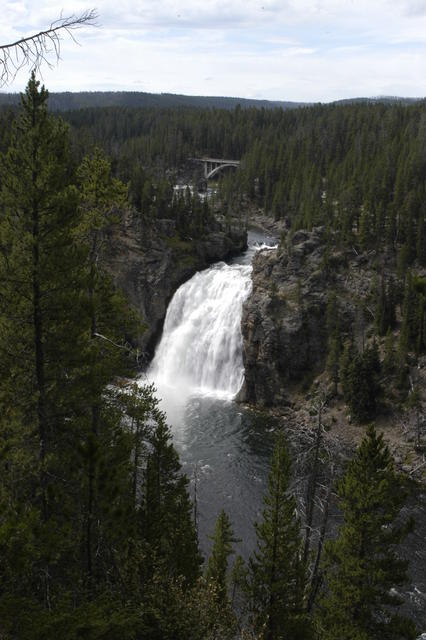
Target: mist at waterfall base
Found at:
197, 370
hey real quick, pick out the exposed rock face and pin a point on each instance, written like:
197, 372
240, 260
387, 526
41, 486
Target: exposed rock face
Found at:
149, 262
283, 323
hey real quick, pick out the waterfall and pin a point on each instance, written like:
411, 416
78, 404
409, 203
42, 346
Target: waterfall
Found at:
200, 350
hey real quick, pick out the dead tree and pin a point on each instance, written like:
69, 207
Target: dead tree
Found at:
42, 48
315, 473
316, 578
313, 477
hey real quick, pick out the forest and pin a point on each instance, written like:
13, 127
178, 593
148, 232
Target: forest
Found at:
67, 100
97, 532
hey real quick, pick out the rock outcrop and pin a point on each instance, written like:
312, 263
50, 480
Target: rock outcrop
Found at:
284, 318
283, 323
149, 262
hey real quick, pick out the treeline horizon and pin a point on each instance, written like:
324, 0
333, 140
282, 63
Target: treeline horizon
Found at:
72, 100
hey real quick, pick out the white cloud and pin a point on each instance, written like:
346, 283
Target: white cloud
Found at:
414, 7
278, 49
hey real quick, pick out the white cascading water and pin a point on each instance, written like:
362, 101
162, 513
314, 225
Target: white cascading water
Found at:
200, 350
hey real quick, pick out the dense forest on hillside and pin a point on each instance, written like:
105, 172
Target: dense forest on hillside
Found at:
83, 99
97, 532
356, 169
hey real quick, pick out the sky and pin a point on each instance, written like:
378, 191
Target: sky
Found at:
299, 50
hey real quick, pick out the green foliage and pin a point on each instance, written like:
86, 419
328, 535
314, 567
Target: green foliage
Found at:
334, 341
42, 340
276, 578
362, 567
355, 168
92, 501
360, 381
166, 513
389, 357
385, 314
413, 329
174, 612
217, 565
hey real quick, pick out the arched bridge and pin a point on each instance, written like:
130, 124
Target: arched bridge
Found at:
212, 166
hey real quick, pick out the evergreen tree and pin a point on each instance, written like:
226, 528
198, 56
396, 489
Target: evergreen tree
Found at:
421, 240
334, 340
101, 197
276, 578
362, 566
360, 381
217, 565
408, 314
385, 307
333, 359
42, 331
348, 356
389, 357
166, 515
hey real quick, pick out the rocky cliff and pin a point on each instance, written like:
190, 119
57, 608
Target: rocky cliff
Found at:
283, 323
149, 261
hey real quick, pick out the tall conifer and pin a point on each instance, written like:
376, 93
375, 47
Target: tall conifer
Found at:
362, 567
217, 565
42, 320
276, 579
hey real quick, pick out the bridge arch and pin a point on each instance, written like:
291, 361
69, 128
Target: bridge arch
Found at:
216, 170
212, 166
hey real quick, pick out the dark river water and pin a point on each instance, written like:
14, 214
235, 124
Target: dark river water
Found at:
227, 450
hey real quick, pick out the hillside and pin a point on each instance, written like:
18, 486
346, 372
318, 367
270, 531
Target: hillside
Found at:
68, 100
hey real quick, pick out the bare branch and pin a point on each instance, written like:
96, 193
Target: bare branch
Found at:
42, 48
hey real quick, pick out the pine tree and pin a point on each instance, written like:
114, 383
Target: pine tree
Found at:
408, 314
421, 240
217, 565
381, 311
389, 357
366, 227
348, 356
276, 578
334, 340
42, 324
360, 381
333, 359
66, 494
362, 566
420, 320
166, 515
102, 197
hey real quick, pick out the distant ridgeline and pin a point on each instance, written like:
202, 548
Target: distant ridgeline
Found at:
84, 99
67, 100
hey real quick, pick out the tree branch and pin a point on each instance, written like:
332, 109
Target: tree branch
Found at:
38, 49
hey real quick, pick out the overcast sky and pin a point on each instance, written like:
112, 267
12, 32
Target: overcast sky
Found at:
310, 50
